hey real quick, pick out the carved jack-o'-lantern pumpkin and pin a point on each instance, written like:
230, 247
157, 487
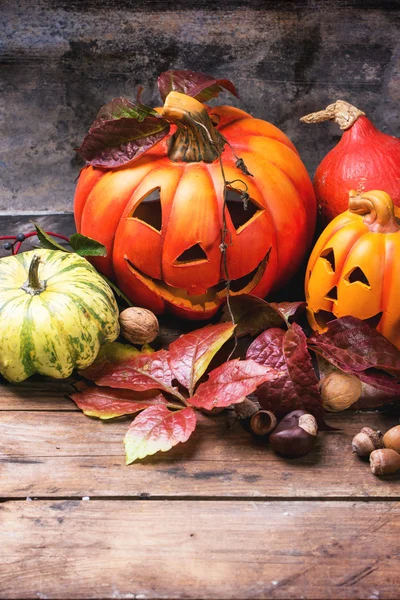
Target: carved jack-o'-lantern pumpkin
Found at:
161, 216
353, 268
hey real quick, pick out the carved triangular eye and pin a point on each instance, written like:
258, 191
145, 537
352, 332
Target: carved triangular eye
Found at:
357, 274
332, 294
236, 208
193, 254
329, 256
149, 210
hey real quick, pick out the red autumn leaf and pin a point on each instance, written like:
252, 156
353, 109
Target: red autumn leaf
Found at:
231, 383
157, 429
252, 315
190, 355
199, 85
354, 346
108, 403
139, 373
297, 385
109, 356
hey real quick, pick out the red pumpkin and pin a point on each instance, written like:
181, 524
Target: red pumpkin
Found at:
364, 159
160, 217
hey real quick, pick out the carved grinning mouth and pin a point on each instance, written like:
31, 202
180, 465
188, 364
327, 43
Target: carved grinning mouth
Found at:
215, 294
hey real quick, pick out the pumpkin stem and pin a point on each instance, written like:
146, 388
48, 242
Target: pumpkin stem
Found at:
377, 206
343, 113
196, 139
34, 285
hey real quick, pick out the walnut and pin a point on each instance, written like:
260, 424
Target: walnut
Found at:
138, 325
339, 391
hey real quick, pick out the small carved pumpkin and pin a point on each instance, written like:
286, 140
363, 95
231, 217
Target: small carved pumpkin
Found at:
354, 266
161, 216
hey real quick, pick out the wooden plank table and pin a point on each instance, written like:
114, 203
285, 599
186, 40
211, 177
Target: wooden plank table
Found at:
218, 517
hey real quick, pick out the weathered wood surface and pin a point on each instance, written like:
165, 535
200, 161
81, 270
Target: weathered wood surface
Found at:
62, 60
46, 452
174, 549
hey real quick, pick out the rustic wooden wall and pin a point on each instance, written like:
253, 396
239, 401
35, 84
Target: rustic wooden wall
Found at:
62, 59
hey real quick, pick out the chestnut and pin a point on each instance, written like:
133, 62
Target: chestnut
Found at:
295, 435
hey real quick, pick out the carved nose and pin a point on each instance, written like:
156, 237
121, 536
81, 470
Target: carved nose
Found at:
191, 255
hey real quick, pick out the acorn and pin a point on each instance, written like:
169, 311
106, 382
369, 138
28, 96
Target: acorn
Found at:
366, 441
384, 461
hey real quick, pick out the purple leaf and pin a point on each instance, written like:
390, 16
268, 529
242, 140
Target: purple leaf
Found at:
354, 346
378, 388
121, 133
297, 386
199, 85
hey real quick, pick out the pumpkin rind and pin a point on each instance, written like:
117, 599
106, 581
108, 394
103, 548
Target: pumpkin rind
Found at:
59, 329
191, 197
364, 159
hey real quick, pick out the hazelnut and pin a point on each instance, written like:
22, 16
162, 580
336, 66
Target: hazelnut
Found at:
366, 441
384, 462
339, 391
295, 435
391, 439
138, 325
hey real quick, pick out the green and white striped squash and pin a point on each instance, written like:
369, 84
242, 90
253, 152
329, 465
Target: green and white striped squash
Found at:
55, 312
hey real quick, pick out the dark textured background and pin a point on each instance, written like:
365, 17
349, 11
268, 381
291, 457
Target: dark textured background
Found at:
62, 59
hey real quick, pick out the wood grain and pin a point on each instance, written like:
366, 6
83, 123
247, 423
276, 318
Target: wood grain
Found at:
37, 393
66, 454
182, 549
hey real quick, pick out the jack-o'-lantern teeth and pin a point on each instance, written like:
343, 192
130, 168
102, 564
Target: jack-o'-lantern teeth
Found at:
214, 295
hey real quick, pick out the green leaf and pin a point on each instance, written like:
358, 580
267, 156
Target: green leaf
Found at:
86, 246
46, 241
119, 108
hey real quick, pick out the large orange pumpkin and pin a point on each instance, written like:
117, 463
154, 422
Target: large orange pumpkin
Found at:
161, 216
353, 268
